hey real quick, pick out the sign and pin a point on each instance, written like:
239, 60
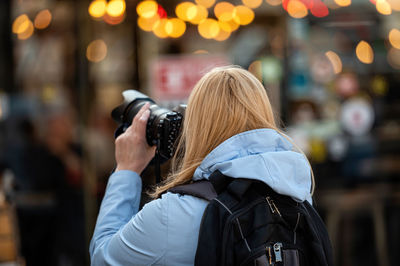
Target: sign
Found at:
173, 77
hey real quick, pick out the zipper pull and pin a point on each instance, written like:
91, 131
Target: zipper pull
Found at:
278, 252
272, 206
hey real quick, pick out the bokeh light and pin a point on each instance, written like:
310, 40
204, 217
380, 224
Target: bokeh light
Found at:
20, 24
252, 3
159, 28
147, 24
183, 9
197, 14
205, 3
96, 51
43, 19
209, 28
393, 58
97, 8
113, 20
175, 27
243, 15
364, 52
224, 11
383, 7
343, 2
222, 35
335, 61
28, 32
274, 2
297, 9
116, 8
147, 9
319, 9
201, 51
394, 38
395, 4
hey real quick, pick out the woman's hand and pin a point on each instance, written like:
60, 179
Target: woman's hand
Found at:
131, 149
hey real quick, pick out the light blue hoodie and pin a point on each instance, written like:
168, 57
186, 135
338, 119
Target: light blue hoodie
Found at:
165, 231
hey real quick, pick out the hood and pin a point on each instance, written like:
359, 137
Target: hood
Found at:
264, 155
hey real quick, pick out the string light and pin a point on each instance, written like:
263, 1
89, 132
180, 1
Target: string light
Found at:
27, 33
395, 4
364, 52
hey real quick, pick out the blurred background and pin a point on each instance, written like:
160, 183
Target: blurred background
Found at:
330, 67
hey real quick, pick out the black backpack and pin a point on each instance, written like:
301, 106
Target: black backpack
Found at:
247, 223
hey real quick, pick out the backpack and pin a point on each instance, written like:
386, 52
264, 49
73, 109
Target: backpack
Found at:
247, 223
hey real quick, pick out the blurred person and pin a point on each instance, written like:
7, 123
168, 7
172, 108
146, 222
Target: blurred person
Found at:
229, 126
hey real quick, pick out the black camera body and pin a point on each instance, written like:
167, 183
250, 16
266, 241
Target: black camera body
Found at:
163, 127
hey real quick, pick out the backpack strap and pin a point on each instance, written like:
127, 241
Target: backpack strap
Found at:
200, 189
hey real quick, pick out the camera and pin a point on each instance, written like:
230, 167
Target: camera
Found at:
163, 127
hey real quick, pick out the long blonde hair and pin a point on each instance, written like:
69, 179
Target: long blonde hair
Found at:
225, 102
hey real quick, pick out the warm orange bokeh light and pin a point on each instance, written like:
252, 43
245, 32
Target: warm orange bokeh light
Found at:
222, 35
209, 28
343, 2
297, 9
147, 24
274, 2
205, 3
394, 38
20, 24
335, 61
28, 31
147, 9
243, 15
252, 3
364, 52
159, 28
175, 27
43, 19
116, 8
96, 51
256, 69
393, 58
383, 7
97, 8
200, 14
183, 10
224, 11
395, 4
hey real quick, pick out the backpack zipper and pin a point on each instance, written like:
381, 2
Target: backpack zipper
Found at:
278, 252
272, 206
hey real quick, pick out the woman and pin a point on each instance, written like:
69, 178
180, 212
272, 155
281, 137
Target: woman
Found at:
229, 126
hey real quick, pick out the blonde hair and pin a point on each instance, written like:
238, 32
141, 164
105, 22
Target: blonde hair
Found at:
225, 102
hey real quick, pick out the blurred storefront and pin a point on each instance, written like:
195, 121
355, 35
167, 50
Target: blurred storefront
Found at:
331, 69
